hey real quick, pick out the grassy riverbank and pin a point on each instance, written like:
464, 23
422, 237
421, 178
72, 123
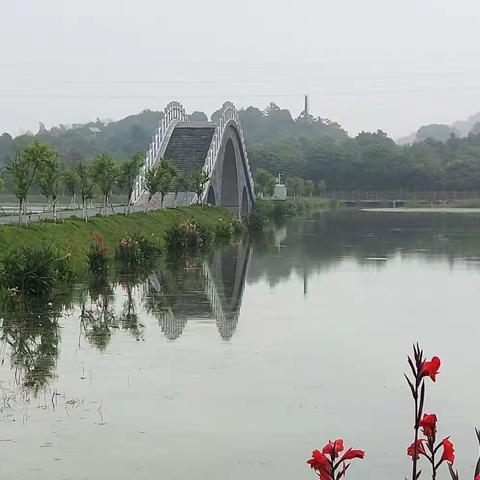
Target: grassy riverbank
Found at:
74, 235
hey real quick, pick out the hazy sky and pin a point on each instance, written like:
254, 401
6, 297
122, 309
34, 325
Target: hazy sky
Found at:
389, 64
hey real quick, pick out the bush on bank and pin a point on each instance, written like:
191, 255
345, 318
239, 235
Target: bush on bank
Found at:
136, 250
188, 235
36, 271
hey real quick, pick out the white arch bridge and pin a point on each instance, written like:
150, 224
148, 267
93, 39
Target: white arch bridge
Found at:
216, 147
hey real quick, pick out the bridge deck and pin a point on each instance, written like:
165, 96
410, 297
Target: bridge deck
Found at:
188, 146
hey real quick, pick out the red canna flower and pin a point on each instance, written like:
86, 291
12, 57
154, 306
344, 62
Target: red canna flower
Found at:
337, 445
320, 463
351, 454
420, 448
429, 425
477, 477
448, 450
430, 369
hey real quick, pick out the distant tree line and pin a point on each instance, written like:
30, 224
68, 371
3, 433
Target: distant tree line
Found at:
314, 149
372, 161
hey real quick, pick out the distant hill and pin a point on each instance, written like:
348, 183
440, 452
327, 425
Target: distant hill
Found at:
442, 132
133, 134
466, 126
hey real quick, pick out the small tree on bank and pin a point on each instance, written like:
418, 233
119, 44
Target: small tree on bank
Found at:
321, 187
71, 183
86, 185
167, 172
180, 184
295, 186
2, 187
23, 170
308, 188
128, 175
106, 174
152, 181
198, 180
159, 179
264, 183
49, 180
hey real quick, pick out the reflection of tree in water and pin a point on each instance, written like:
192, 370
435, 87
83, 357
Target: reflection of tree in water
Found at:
98, 319
128, 317
31, 332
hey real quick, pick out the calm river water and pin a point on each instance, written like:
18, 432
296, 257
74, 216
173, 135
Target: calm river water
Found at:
237, 365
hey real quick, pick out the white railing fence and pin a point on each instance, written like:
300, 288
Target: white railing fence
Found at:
174, 112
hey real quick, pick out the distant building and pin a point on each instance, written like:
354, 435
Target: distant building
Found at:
280, 190
95, 130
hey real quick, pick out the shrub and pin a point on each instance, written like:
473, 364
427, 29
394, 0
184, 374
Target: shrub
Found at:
133, 251
97, 256
223, 232
187, 235
238, 226
35, 271
254, 221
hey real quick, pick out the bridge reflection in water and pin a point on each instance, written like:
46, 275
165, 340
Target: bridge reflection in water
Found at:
204, 290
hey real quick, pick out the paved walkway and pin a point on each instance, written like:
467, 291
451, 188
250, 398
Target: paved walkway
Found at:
11, 217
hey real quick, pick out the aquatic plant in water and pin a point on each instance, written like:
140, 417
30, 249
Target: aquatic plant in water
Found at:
436, 452
97, 255
34, 271
136, 250
185, 235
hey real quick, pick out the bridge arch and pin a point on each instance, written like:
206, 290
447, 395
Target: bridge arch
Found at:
211, 196
244, 209
231, 179
229, 184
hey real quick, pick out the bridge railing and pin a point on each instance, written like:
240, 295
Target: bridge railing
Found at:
425, 196
227, 114
174, 112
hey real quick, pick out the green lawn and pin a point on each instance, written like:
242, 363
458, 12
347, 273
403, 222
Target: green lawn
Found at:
74, 235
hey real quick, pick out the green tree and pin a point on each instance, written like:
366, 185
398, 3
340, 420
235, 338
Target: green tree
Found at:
71, 183
295, 186
308, 188
152, 183
128, 175
180, 184
321, 187
86, 185
50, 179
264, 182
2, 188
106, 174
167, 173
23, 170
198, 181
